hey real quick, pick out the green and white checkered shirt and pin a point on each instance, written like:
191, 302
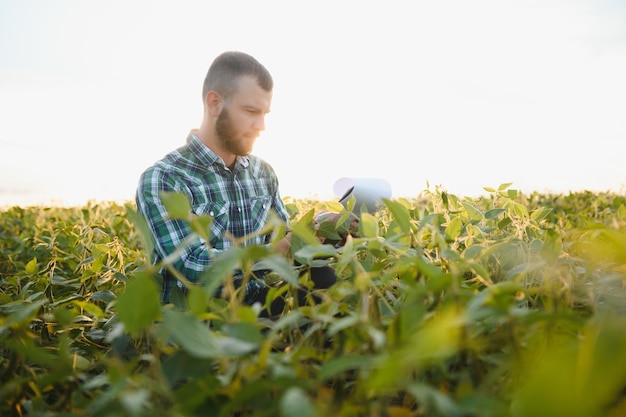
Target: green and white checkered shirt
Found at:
239, 201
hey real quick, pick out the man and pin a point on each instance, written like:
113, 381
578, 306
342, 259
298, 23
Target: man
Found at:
220, 177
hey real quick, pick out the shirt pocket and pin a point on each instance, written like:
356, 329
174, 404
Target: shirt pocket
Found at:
258, 212
219, 212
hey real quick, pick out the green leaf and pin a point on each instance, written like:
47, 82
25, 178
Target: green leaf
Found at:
439, 402
302, 231
295, 403
141, 225
139, 306
493, 213
552, 246
247, 332
179, 365
473, 212
520, 210
177, 204
31, 267
400, 213
342, 324
502, 224
91, 308
197, 300
368, 225
135, 401
428, 269
351, 203
303, 236
328, 230
337, 366
25, 313
221, 268
281, 266
246, 314
234, 347
309, 253
191, 335
198, 396
454, 229
540, 213
202, 226
105, 296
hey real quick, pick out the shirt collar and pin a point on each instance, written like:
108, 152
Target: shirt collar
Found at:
207, 155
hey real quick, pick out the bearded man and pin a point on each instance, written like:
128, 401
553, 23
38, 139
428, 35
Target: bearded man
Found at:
221, 178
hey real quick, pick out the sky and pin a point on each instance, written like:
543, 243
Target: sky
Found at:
455, 94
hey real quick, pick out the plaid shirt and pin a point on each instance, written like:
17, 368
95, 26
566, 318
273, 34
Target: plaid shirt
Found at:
239, 201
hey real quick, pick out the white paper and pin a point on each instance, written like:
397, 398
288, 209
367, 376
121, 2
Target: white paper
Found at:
368, 192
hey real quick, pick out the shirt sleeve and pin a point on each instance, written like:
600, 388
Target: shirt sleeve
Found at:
169, 234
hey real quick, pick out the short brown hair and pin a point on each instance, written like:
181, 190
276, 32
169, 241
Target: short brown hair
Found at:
226, 70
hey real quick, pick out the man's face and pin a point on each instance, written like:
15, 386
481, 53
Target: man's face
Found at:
228, 136
242, 118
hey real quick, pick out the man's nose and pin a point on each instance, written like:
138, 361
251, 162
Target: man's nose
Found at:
259, 123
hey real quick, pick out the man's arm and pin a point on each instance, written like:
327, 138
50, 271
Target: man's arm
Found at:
169, 234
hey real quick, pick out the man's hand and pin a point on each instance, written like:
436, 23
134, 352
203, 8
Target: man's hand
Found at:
328, 231
284, 245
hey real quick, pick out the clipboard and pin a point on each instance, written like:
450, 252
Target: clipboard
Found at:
368, 192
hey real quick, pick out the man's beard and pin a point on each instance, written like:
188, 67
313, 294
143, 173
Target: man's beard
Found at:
226, 134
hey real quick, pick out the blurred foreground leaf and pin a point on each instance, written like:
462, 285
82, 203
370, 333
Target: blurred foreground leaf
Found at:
139, 306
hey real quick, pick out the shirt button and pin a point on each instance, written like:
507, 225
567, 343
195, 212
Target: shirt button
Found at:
210, 213
239, 209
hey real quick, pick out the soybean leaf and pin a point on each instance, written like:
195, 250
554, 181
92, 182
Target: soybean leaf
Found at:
141, 225
454, 229
493, 213
191, 335
309, 253
24, 314
368, 226
222, 267
235, 347
337, 366
281, 266
540, 213
473, 212
400, 214
197, 300
295, 403
202, 226
139, 306
177, 204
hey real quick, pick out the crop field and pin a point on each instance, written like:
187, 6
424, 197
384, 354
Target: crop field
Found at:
505, 305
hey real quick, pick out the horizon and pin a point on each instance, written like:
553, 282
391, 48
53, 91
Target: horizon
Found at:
457, 95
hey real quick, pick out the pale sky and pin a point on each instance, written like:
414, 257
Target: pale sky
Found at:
460, 94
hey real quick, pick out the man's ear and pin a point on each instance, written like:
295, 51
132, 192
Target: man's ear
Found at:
213, 103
